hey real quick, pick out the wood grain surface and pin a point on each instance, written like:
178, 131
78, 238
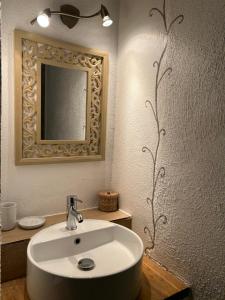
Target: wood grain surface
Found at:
157, 284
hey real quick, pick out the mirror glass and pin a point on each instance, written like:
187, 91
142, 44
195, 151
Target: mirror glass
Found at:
63, 103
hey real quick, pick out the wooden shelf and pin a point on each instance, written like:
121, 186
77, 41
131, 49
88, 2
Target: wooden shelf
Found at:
157, 284
19, 234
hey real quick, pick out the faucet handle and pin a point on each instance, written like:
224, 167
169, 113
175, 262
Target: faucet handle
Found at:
72, 201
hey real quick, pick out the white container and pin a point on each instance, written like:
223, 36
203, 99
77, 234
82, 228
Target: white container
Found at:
8, 215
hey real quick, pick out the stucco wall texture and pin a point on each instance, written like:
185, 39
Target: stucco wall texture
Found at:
192, 110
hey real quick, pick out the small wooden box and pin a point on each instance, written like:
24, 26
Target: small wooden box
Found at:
108, 201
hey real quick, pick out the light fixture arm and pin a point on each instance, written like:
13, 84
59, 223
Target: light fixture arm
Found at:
59, 13
75, 15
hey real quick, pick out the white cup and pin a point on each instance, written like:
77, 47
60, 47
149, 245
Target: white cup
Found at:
8, 215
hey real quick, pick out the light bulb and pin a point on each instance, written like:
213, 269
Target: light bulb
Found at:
43, 20
107, 21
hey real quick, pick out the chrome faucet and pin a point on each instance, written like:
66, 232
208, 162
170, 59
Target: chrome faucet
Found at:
72, 213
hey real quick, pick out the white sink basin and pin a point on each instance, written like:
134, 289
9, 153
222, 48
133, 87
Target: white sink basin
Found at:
54, 252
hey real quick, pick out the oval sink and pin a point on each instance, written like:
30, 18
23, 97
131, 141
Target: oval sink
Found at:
100, 260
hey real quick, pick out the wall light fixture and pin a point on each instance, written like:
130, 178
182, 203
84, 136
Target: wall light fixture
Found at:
70, 15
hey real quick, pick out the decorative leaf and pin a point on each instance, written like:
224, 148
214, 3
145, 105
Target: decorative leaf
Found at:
146, 149
179, 18
167, 71
156, 10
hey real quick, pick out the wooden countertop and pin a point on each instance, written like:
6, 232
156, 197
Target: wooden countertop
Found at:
19, 234
160, 284
157, 284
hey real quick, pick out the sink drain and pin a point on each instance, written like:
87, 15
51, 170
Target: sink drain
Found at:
86, 264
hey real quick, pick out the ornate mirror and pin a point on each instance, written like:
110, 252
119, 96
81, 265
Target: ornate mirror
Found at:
60, 94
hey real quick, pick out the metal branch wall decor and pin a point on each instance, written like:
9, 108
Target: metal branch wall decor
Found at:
158, 171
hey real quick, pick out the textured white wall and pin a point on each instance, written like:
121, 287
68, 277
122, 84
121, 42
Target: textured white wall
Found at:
42, 189
192, 110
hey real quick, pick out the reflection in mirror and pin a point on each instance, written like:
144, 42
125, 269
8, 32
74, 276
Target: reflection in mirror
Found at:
63, 103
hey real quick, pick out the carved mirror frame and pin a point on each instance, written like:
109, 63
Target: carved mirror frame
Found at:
30, 51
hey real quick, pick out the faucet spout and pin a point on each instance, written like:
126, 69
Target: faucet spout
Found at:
77, 215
